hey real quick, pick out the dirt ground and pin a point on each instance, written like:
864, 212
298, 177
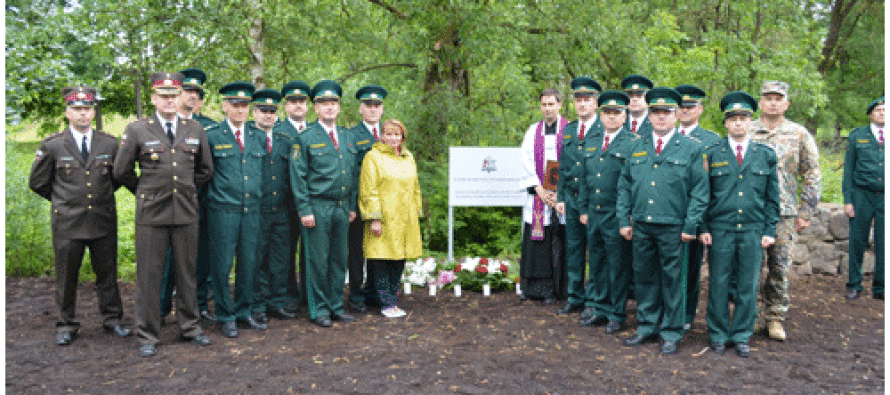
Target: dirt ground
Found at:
472, 345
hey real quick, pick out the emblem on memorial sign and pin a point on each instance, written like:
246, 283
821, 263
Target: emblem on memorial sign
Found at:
488, 164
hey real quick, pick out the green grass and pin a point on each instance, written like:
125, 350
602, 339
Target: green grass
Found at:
28, 234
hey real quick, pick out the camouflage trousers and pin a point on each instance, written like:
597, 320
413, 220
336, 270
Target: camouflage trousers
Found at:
774, 292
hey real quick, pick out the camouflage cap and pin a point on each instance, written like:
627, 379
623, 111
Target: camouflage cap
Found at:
775, 87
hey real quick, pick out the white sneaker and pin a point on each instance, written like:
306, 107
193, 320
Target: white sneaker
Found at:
390, 312
399, 312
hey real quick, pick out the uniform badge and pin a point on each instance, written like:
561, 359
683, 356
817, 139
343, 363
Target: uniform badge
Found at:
705, 161
192, 141
155, 156
39, 154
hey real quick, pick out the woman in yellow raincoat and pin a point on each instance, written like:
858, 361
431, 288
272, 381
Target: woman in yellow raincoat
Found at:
389, 202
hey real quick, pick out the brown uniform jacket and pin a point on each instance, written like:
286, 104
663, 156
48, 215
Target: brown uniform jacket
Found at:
170, 174
81, 191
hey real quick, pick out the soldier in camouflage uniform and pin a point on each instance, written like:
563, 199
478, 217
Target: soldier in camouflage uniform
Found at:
798, 167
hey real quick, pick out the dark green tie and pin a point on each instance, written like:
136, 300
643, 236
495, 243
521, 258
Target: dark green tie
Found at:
84, 149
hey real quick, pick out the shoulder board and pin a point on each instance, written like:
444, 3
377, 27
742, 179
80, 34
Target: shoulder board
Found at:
208, 127
694, 139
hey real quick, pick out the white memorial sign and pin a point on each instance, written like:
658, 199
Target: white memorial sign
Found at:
482, 176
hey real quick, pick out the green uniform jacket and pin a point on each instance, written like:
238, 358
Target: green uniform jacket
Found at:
81, 191
320, 171
670, 189
276, 173
743, 197
863, 164
364, 140
571, 157
600, 171
238, 176
706, 137
203, 120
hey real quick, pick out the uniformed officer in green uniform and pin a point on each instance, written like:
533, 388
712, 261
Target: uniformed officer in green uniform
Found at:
73, 170
739, 223
863, 189
365, 134
689, 114
233, 208
323, 182
274, 260
636, 86
296, 107
662, 195
585, 91
191, 100
174, 163
605, 151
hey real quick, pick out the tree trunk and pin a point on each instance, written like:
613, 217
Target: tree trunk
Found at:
256, 45
137, 89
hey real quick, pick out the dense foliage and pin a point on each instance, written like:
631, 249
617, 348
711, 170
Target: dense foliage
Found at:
459, 72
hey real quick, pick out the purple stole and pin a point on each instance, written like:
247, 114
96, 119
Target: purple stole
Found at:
538, 208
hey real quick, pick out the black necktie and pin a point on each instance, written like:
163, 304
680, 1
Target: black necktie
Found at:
84, 149
170, 131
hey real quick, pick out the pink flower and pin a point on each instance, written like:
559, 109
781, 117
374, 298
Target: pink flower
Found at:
482, 269
504, 268
445, 277
457, 268
483, 261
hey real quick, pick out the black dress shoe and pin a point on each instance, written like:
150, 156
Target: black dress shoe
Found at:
718, 348
262, 318
357, 307
743, 350
323, 321
612, 327
118, 331
251, 323
668, 347
65, 338
205, 315
637, 340
853, 294
282, 314
343, 318
201, 340
569, 309
594, 320
229, 329
879, 296
147, 350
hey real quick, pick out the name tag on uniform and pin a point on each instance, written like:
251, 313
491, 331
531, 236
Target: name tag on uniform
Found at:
319, 145
639, 154
719, 164
363, 142
106, 156
192, 141
591, 149
566, 136
156, 142
863, 141
67, 158
222, 146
